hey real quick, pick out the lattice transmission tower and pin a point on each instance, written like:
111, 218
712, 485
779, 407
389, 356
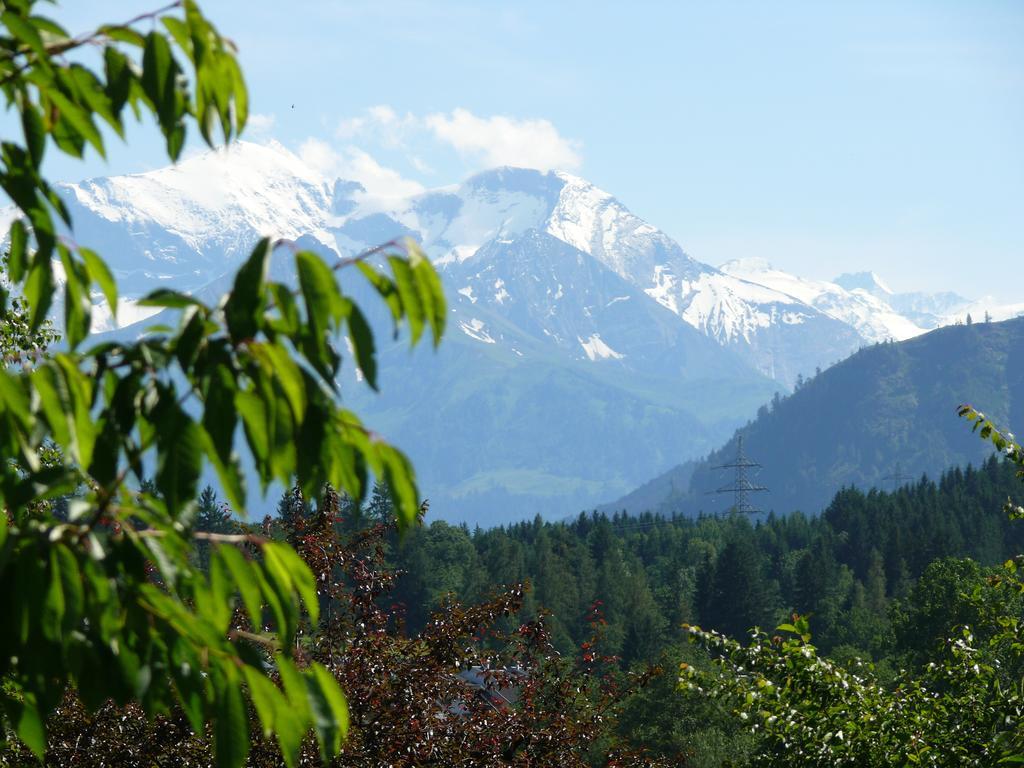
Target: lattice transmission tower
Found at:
897, 479
743, 482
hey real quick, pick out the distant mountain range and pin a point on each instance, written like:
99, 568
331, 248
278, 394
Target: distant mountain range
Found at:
587, 350
879, 419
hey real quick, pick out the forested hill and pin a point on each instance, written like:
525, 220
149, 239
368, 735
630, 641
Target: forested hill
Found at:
850, 567
884, 415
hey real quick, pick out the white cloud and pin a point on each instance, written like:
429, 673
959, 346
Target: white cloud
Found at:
503, 140
483, 141
355, 164
420, 165
350, 127
260, 125
383, 124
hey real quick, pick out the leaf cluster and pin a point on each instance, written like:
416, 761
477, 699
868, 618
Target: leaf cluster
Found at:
106, 597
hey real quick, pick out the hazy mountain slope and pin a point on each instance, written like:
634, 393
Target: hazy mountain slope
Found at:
544, 403
495, 438
890, 404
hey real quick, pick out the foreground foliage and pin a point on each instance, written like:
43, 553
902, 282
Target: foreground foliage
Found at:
98, 586
965, 708
477, 686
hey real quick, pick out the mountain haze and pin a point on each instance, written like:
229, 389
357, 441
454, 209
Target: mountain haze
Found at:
883, 417
586, 351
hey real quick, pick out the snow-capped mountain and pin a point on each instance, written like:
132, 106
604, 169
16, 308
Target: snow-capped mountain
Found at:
776, 333
189, 223
587, 350
860, 301
192, 222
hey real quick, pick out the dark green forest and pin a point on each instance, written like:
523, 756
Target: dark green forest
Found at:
853, 569
880, 578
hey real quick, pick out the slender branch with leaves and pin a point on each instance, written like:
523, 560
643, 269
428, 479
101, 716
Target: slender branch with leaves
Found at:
106, 599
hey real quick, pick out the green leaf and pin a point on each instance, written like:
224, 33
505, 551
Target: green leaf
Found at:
276, 715
35, 134
71, 586
24, 31
329, 709
159, 83
39, 289
282, 606
254, 418
179, 453
363, 346
241, 571
77, 305
79, 120
412, 304
31, 729
279, 364
190, 337
290, 569
189, 682
219, 422
79, 388
431, 293
53, 603
386, 290
264, 695
231, 724
324, 303
100, 274
290, 730
123, 34
119, 78
244, 306
240, 93
53, 398
294, 687
165, 297
18, 251
398, 474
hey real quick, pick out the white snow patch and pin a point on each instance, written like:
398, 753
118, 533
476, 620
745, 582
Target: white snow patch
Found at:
128, 313
596, 349
476, 329
500, 294
468, 293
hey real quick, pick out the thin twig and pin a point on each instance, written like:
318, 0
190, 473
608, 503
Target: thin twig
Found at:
218, 538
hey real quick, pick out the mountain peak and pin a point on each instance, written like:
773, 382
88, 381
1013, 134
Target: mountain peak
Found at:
509, 178
865, 281
747, 266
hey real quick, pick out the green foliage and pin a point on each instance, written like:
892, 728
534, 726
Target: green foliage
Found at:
109, 599
809, 711
965, 707
473, 687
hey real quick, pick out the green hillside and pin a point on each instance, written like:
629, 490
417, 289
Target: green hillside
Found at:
884, 416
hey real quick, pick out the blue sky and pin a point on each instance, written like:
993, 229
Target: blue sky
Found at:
826, 137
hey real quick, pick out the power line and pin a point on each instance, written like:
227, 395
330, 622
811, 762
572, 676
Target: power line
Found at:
897, 478
742, 484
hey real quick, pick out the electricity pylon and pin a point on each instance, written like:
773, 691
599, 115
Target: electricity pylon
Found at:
743, 483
